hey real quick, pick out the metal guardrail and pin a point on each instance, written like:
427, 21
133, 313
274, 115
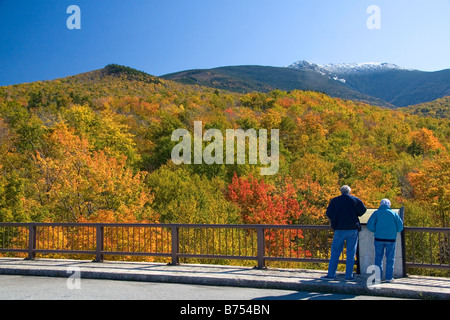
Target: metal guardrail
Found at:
425, 247
208, 241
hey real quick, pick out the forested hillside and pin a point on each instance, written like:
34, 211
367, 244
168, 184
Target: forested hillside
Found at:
439, 108
97, 147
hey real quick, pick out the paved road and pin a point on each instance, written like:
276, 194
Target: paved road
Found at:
49, 288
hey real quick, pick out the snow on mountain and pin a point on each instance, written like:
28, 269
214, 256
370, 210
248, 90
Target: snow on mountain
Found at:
343, 68
337, 71
305, 65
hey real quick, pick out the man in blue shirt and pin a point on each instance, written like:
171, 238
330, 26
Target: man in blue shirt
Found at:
343, 212
385, 223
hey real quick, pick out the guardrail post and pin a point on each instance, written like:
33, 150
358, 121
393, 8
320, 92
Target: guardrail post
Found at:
175, 244
260, 246
31, 242
402, 237
99, 244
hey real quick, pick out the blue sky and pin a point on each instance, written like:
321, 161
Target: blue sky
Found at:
163, 36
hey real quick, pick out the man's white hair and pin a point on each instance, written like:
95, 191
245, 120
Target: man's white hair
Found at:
345, 189
385, 202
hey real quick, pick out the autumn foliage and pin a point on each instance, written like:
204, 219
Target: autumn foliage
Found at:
97, 146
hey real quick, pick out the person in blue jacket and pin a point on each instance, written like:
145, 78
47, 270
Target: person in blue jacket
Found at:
385, 223
343, 212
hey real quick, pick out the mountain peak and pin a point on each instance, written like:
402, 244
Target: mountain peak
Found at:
360, 67
341, 71
129, 73
344, 68
303, 64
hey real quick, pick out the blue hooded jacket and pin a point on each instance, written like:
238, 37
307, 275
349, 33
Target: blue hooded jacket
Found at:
385, 223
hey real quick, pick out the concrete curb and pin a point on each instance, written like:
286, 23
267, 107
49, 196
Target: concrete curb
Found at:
299, 280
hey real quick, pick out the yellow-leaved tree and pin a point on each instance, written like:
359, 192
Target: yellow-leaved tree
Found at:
431, 186
74, 182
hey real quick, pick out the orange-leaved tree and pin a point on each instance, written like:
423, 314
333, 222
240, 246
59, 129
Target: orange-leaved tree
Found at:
431, 187
75, 183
